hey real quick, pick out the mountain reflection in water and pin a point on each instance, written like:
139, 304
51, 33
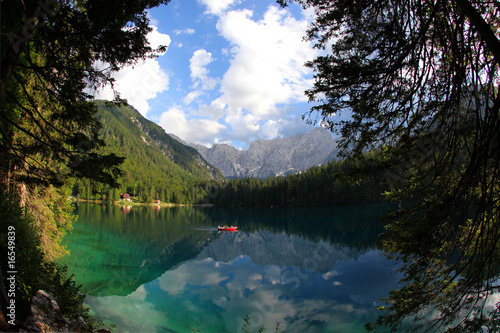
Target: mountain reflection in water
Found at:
312, 270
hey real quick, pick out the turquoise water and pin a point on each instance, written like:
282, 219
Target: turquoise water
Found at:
170, 270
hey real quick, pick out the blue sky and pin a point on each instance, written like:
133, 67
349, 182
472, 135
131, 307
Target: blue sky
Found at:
233, 71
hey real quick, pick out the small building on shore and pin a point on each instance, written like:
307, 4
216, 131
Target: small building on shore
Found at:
125, 196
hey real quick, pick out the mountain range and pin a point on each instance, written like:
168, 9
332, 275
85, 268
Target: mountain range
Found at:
160, 166
269, 158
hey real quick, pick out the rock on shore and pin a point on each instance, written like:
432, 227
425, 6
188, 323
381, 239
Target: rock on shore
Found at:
46, 317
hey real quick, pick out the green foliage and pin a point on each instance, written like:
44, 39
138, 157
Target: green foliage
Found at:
51, 213
248, 323
34, 271
156, 166
49, 134
49, 55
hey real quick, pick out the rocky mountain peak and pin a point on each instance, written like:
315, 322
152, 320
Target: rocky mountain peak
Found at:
268, 158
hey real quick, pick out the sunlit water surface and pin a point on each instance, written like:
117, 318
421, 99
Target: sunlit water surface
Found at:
169, 269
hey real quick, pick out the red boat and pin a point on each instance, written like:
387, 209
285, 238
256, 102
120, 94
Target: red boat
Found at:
226, 228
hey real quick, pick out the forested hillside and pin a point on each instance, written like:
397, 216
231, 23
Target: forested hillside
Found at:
324, 185
159, 167
156, 166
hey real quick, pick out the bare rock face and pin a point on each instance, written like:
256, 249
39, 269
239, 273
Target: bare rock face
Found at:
46, 317
266, 248
269, 158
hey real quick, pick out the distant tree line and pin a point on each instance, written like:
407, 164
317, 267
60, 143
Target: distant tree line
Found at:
324, 185
192, 192
332, 184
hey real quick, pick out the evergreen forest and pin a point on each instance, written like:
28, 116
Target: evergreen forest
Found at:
156, 166
324, 185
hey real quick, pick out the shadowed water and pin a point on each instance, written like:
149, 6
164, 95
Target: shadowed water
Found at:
170, 270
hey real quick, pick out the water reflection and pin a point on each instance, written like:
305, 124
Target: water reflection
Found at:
169, 270
211, 295
113, 253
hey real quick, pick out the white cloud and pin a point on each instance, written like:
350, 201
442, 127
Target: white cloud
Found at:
199, 72
266, 70
187, 31
270, 129
199, 130
244, 125
267, 67
213, 111
199, 75
192, 96
142, 81
156, 38
216, 7
265, 74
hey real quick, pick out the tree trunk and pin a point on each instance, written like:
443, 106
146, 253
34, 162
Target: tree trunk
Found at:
487, 35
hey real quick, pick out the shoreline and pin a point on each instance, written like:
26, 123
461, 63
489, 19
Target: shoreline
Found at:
134, 203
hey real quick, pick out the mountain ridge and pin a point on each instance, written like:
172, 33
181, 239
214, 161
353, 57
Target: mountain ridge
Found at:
152, 135
269, 158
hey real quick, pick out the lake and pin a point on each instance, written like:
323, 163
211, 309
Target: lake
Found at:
148, 269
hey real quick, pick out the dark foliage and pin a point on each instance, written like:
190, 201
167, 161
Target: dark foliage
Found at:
419, 80
33, 270
50, 57
325, 185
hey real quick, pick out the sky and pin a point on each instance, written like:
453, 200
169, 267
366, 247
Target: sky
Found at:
233, 71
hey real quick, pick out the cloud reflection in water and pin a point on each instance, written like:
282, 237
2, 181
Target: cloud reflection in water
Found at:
213, 296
